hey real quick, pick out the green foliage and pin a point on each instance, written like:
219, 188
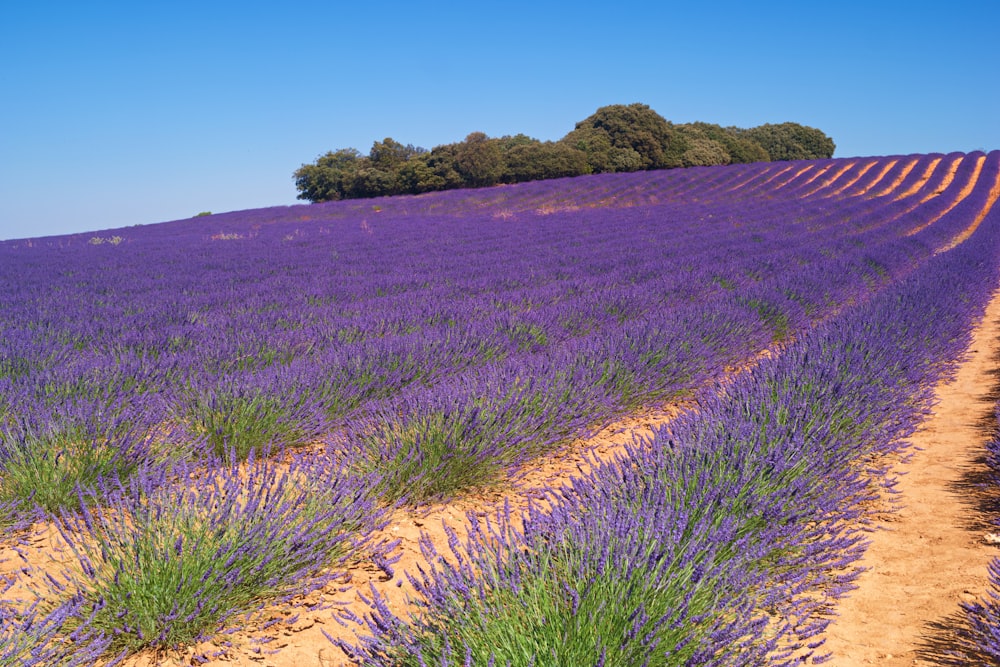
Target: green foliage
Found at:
329, 178
595, 145
48, 469
479, 160
625, 136
418, 175
615, 138
741, 149
791, 141
699, 149
387, 155
537, 161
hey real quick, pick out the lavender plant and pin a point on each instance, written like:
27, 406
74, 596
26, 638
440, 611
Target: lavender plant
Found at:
243, 414
167, 561
978, 639
45, 464
434, 444
31, 637
594, 590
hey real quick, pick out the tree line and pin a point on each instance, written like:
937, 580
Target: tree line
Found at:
615, 138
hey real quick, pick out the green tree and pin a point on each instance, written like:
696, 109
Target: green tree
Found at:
370, 181
442, 161
417, 175
510, 142
741, 148
479, 160
632, 129
615, 138
389, 155
704, 152
537, 161
595, 144
791, 141
330, 177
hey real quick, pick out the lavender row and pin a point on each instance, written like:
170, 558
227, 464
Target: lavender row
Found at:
722, 539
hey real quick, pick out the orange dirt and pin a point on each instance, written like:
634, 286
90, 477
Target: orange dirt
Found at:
968, 231
889, 189
923, 179
864, 170
929, 553
795, 175
774, 176
948, 178
963, 193
878, 179
818, 171
830, 180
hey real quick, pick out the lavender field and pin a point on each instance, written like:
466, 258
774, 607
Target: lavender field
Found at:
218, 414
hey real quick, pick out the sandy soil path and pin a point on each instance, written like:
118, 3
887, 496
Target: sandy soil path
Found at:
929, 554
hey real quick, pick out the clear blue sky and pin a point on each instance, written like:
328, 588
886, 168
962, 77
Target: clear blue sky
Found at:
120, 113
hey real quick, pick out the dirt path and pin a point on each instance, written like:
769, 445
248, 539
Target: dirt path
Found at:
930, 553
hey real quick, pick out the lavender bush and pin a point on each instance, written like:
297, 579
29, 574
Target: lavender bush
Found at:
167, 561
31, 637
46, 461
242, 413
599, 590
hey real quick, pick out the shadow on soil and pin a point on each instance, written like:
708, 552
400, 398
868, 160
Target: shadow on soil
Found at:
948, 641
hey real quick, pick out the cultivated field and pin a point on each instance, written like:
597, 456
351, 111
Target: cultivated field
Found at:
623, 419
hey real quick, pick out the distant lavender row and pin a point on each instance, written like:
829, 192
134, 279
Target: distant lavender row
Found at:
722, 540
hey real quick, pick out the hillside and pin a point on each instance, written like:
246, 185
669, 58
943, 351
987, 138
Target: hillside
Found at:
213, 429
